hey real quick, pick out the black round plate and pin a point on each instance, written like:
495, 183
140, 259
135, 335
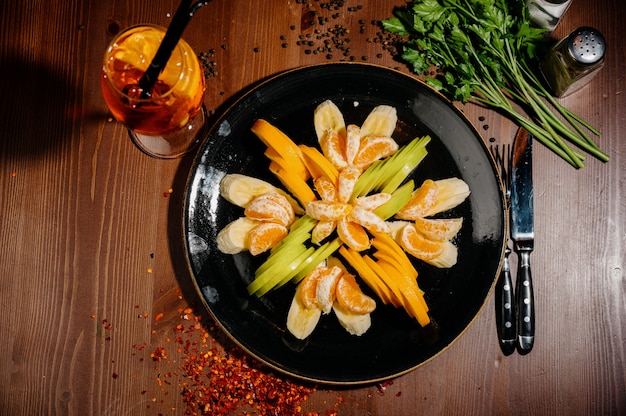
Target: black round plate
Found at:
395, 344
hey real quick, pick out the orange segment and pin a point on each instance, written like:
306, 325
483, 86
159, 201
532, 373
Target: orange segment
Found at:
326, 286
438, 229
423, 199
334, 147
322, 230
353, 235
374, 148
350, 296
417, 245
325, 188
272, 137
368, 220
327, 210
353, 142
371, 202
272, 207
308, 288
265, 236
348, 177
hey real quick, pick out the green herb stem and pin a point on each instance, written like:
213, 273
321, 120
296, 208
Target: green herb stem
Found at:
485, 49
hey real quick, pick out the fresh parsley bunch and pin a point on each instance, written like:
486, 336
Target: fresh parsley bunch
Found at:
487, 52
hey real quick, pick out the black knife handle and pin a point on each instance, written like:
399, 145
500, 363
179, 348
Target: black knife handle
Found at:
505, 308
525, 304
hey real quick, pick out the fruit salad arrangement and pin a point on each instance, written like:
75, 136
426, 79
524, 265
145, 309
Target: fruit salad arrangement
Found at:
348, 215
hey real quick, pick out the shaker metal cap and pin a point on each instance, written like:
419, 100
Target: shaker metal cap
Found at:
586, 45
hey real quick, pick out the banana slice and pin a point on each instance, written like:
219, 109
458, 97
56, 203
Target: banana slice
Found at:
233, 238
355, 324
447, 258
328, 117
450, 193
381, 121
301, 321
240, 189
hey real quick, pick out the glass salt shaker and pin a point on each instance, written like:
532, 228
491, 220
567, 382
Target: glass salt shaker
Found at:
547, 14
573, 61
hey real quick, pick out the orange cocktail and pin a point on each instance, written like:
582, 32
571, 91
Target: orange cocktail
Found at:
164, 121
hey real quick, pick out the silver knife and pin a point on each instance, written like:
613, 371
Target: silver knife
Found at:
523, 236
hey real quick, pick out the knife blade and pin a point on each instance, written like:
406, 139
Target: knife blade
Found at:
523, 236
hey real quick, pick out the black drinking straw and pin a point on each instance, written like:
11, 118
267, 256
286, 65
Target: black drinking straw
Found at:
179, 22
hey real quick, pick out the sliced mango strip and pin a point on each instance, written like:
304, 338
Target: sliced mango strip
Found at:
369, 277
382, 241
274, 138
294, 184
317, 164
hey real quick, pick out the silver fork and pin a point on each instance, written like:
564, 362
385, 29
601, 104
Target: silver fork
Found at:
505, 304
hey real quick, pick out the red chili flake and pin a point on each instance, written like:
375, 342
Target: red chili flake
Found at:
158, 354
215, 381
158, 316
114, 375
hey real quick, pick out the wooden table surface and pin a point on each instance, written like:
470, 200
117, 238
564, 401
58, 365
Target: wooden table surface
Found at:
93, 281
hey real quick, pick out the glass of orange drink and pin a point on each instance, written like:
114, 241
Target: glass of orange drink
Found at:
169, 120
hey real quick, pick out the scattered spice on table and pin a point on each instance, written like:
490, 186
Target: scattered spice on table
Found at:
219, 380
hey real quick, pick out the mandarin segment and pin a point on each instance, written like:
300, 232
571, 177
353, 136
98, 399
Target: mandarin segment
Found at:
348, 178
422, 201
308, 288
353, 234
439, 229
322, 230
333, 146
350, 296
417, 245
265, 236
368, 220
327, 210
325, 291
371, 202
325, 188
374, 148
353, 142
271, 207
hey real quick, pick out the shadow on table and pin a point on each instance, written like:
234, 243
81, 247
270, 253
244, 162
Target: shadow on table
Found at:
40, 107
